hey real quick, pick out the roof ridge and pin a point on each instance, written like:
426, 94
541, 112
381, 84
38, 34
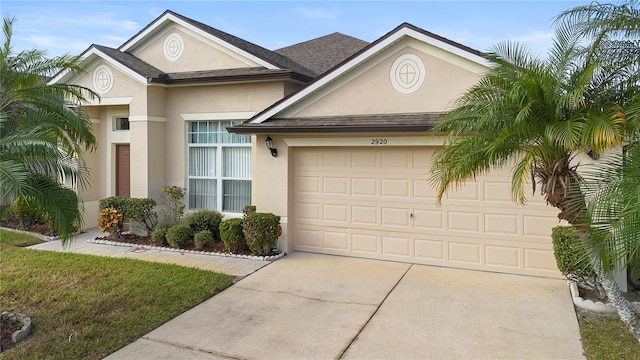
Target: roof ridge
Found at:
256, 50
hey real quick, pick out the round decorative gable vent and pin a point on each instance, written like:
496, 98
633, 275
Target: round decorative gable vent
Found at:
102, 79
173, 47
407, 73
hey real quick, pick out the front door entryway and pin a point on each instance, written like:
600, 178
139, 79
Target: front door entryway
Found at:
123, 171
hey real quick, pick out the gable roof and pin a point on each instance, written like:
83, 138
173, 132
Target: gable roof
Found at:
275, 66
265, 57
136, 64
395, 35
325, 52
403, 30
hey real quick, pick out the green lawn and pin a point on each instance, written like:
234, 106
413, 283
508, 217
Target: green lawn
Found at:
606, 337
85, 306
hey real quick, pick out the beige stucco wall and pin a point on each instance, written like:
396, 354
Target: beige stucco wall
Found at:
198, 54
208, 100
370, 91
270, 182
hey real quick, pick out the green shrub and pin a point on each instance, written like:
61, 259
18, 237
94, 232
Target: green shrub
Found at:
141, 210
232, 235
159, 233
120, 203
26, 212
178, 235
570, 254
261, 232
202, 239
205, 220
174, 196
7, 214
249, 209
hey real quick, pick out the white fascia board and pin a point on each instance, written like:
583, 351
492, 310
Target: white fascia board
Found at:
448, 47
240, 115
93, 52
125, 100
173, 18
362, 58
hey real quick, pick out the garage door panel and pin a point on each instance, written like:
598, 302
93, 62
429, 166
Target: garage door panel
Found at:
378, 203
465, 252
396, 158
539, 259
429, 219
368, 159
335, 212
469, 191
503, 256
422, 190
308, 211
335, 185
463, 221
538, 226
505, 224
395, 217
365, 243
365, 215
336, 240
308, 184
309, 238
396, 246
364, 187
430, 249
395, 188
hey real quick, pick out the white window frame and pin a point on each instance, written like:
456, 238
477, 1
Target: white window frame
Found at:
218, 177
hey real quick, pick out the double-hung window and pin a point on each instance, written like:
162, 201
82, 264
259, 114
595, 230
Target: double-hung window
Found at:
219, 167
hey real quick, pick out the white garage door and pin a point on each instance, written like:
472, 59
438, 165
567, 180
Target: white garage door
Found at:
377, 203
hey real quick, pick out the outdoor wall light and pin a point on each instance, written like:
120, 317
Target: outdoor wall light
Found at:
269, 141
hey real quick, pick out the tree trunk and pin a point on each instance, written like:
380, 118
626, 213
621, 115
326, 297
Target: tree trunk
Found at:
622, 305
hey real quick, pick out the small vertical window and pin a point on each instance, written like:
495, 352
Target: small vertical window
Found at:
121, 123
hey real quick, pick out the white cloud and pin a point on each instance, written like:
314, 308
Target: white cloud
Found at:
316, 13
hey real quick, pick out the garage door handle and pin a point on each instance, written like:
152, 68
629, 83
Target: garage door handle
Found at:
410, 214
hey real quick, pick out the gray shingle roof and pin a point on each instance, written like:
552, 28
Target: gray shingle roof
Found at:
398, 123
323, 53
130, 61
228, 75
270, 56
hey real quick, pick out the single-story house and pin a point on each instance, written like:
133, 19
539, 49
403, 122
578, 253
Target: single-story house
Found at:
331, 134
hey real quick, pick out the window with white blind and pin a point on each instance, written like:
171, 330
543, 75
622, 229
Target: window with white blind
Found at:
219, 167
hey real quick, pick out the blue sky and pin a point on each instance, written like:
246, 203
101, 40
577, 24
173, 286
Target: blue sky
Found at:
71, 26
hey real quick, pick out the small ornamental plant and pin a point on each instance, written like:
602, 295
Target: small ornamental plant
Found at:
110, 220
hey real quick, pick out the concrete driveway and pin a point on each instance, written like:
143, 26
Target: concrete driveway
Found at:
308, 306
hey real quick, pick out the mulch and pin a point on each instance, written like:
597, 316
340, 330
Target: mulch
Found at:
214, 246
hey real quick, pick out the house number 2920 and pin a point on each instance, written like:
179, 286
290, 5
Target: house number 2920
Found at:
378, 141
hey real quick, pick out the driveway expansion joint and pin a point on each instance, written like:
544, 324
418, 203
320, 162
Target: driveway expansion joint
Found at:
182, 346
304, 297
374, 313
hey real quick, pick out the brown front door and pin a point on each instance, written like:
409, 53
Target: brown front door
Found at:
123, 171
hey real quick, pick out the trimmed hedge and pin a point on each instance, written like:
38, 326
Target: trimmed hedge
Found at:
202, 239
159, 234
205, 220
570, 254
233, 236
261, 232
178, 235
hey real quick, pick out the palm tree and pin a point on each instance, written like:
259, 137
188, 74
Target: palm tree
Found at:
44, 134
536, 115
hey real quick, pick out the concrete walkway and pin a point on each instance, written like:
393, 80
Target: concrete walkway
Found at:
232, 266
308, 306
